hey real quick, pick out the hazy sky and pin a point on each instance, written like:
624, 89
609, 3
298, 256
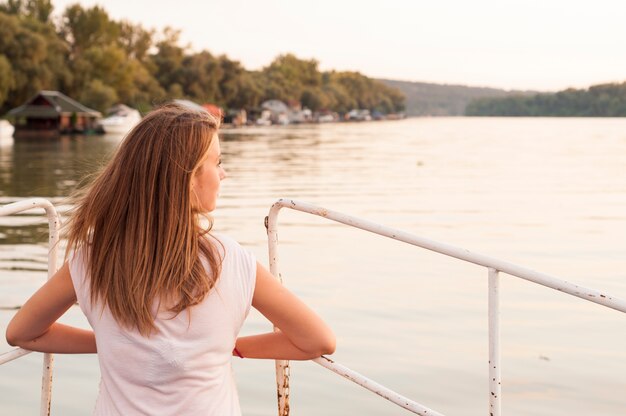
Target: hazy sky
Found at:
530, 44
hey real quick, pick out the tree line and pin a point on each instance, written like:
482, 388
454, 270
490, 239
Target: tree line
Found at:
605, 100
100, 61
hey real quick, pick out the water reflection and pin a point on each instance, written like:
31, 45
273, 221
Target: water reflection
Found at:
51, 167
11, 233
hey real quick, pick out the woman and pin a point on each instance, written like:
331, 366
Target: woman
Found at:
165, 298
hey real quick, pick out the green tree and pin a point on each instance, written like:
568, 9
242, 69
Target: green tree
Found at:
88, 28
6, 79
135, 40
339, 99
166, 63
238, 88
26, 51
316, 99
15, 7
40, 10
140, 89
54, 68
199, 76
98, 96
287, 77
250, 91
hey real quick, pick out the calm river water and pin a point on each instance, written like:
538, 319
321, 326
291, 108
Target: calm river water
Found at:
549, 194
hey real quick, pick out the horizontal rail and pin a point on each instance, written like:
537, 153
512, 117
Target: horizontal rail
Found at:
375, 387
13, 355
25, 205
462, 254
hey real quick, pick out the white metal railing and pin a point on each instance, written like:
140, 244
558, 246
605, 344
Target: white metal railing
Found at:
53, 229
494, 267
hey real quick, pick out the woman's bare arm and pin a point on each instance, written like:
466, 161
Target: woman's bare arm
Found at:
303, 334
34, 326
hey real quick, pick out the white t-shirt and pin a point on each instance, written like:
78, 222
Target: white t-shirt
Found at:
185, 368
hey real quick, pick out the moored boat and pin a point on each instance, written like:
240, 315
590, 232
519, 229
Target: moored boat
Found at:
120, 119
6, 130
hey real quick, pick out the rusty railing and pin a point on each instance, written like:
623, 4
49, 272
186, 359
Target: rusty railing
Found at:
494, 267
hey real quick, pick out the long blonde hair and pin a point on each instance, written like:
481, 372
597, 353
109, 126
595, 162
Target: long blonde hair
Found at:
137, 225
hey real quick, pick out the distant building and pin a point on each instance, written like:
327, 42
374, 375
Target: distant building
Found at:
50, 114
278, 112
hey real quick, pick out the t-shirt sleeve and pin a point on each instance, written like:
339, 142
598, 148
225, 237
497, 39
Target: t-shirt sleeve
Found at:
247, 276
239, 267
81, 286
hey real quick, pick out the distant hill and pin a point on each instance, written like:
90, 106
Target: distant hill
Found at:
604, 100
424, 99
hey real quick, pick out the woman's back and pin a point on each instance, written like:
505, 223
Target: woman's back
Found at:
184, 367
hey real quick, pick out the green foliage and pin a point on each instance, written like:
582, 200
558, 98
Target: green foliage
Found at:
135, 40
100, 61
287, 77
606, 100
35, 9
238, 87
6, 78
313, 98
338, 97
85, 28
200, 75
27, 53
98, 96
166, 63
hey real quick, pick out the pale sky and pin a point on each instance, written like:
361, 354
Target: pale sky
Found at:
511, 44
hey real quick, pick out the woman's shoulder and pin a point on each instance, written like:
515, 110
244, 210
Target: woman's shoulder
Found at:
76, 257
222, 238
236, 260
226, 245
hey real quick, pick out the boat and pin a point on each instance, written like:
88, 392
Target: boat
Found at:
6, 130
358, 115
120, 119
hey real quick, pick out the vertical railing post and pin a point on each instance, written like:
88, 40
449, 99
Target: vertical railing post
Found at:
282, 366
53, 239
495, 382
48, 359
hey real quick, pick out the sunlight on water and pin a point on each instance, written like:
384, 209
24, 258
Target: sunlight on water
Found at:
549, 194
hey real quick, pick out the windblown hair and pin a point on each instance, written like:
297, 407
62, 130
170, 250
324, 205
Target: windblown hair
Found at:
137, 225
